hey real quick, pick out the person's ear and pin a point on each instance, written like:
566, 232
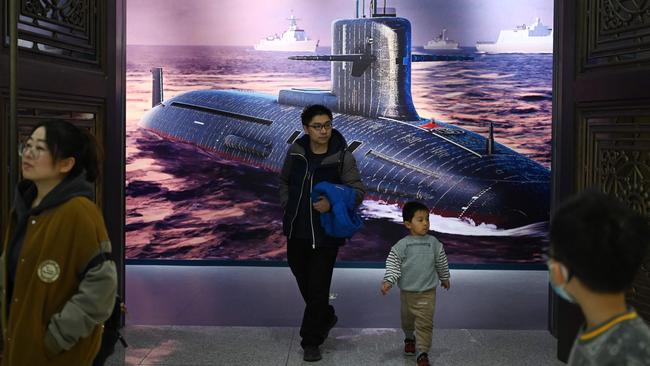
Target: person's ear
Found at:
64, 166
558, 272
408, 224
306, 129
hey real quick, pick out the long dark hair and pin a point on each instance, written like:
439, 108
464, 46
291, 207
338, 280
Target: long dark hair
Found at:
65, 140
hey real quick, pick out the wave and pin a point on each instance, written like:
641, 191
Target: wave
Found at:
452, 225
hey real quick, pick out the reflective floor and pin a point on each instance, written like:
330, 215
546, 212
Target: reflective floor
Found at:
196, 315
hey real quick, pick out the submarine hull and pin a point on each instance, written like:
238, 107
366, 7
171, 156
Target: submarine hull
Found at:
445, 167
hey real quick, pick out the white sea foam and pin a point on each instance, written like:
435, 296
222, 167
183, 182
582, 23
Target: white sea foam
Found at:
449, 225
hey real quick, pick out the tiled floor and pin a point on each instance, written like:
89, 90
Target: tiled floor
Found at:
276, 346
249, 316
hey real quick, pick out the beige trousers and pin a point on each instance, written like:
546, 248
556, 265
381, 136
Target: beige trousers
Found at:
417, 316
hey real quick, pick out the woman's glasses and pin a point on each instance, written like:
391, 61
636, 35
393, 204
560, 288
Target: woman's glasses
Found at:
27, 148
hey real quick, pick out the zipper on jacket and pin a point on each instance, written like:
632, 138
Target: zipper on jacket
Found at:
302, 188
311, 214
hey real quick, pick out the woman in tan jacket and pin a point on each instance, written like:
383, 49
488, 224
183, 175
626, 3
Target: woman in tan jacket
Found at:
53, 306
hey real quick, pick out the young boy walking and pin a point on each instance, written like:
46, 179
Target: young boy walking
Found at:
597, 246
416, 264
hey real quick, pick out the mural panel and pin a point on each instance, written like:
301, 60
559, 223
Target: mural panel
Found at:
446, 102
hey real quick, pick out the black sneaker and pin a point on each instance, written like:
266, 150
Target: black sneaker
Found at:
312, 354
331, 325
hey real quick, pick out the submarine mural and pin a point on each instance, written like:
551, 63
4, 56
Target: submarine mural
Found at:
401, 156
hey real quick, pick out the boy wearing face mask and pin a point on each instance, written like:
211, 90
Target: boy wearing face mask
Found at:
597, 246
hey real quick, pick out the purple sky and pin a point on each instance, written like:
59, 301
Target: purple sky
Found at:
243, 23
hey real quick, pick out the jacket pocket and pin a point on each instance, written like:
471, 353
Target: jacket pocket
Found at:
51, 347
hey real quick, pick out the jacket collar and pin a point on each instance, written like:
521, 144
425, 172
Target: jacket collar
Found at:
337, 143
64, 191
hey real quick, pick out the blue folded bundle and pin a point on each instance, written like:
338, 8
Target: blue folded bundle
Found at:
342, 220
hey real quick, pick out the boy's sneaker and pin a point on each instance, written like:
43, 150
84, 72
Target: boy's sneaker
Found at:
312, 354
423, 359
409, 347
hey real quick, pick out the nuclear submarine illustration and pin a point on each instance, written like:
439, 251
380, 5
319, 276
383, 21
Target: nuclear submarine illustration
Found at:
401, 156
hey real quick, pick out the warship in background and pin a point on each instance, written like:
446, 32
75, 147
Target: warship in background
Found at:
293, 39
457, 173
441, 42
535, 38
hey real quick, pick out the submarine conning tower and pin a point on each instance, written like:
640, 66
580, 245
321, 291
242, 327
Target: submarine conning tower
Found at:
371, 70
384, 87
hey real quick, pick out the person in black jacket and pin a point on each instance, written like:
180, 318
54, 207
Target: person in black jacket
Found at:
319, 155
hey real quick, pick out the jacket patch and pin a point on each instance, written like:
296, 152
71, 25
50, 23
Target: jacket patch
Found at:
48, 271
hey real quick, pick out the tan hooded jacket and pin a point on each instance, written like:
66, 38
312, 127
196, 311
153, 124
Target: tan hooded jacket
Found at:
55, 317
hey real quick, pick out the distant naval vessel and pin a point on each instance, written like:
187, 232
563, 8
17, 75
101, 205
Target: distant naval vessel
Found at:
535, 38
401, 156
441, 42
293, 39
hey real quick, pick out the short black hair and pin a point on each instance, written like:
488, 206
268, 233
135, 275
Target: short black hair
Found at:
600, 240
410, 208
314, 110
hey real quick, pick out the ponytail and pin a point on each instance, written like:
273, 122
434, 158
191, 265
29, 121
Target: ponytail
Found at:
90, 156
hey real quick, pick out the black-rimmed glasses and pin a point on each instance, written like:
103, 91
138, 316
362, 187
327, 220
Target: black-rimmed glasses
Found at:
320, 126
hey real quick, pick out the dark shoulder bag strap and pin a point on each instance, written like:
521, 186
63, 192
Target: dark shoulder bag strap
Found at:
95, 261
342, 161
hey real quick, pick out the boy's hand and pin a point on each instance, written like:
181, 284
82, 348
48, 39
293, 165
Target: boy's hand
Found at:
322, 205
446, 284
385, 287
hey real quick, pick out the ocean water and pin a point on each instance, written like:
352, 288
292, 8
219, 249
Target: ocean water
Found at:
184, 203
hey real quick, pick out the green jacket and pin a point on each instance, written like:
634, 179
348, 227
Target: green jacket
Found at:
55, 317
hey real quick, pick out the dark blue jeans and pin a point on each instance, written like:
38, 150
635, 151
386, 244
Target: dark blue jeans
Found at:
313, 271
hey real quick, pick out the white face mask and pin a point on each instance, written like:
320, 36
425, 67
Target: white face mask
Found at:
560, 289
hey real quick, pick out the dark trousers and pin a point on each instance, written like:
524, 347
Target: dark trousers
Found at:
313, 271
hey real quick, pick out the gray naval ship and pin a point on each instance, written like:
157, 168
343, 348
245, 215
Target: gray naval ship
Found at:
401, 156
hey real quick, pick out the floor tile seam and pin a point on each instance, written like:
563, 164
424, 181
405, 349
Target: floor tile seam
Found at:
147, 355
293, 336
